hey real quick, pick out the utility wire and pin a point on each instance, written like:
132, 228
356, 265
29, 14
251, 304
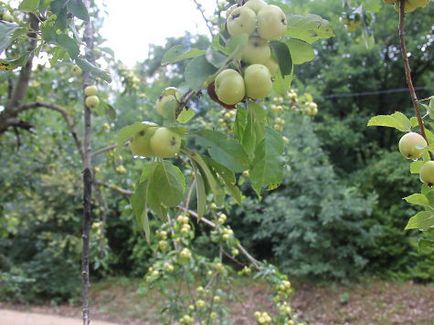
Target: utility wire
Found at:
374, 92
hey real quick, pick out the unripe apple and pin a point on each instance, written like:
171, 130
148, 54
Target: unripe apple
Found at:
255, 5
76, 70
140, 145
229, 87
171, 97
272, 22
258, 81
92, 101
426, 173
412, 145
256, 51
272, 66
165, 143
242, 20
90, 90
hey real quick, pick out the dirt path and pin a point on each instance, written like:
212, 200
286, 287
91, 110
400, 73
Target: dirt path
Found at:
12, 317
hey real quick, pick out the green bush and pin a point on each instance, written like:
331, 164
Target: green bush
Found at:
314, 224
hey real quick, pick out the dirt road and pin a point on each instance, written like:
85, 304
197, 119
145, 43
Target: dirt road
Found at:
12, 317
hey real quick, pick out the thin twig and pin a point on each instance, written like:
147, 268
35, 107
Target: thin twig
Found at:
207, 22
407, 69
66, 116
104, 150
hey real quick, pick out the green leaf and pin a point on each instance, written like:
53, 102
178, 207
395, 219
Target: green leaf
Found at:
179, 53
281, 85
92, 69
301, 51
417, 199
130, 131
69, 44
78, 9
254, 130
6, 31
213, 185
283, 56
200, 195
197, 72
309, 28
266, 168
138, 202
29, 5
216, 58
396, 120
415, 166
9, 65
167, 183
426, 246
228, 178
422, 220
225, 151
186, 115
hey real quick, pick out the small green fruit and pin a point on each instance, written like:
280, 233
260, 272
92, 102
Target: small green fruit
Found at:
427, 173
140, 145
165, 143
168, 101
255, 5
272, 66
92, 101
242, 20
90, 90
229, 87
258, 81
256, 51
412, 145
272, 23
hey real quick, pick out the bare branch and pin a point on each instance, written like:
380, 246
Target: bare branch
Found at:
202, 12
104, 150
63, 111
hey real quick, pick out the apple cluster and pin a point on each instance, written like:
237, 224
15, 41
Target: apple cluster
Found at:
412, 146
155, 141
409, 5
262, 23
92, 99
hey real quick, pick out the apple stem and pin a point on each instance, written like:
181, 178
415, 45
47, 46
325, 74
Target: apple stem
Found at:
407, 69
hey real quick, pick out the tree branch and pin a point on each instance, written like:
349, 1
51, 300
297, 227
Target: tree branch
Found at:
66, 116
202, 12
87, 174
407, 69
104, 149
22, 84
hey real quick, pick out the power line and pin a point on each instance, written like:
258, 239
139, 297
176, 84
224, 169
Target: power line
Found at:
374, 92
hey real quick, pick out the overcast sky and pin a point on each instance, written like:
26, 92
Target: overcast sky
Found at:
132, 25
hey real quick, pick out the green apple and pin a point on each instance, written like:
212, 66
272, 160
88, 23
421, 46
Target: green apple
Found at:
272, 23
165, 143
140, 145
92, 101
184, 256
412, 145
76, 70
229, 87
255, 5
169, 100
242, 20
90, 90
258, 81
256, 51
426, 173
272, 66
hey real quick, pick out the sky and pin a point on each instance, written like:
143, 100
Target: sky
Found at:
131, 25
